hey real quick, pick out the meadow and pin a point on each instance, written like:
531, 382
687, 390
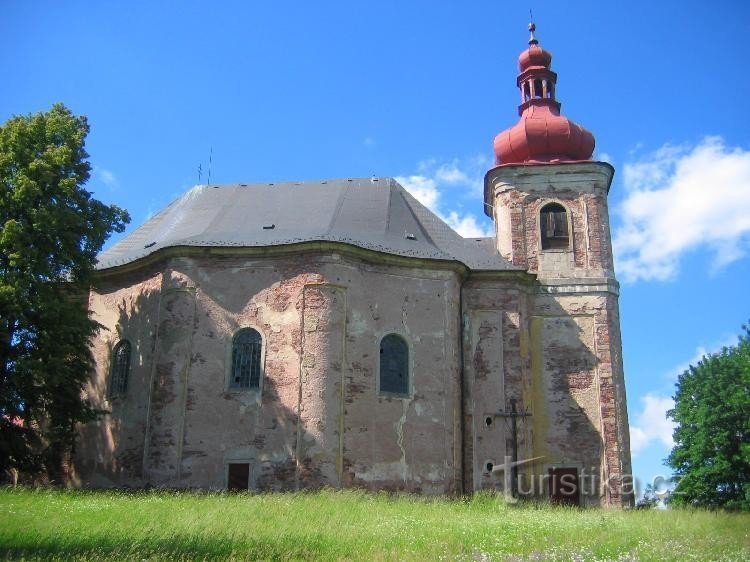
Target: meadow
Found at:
331, 525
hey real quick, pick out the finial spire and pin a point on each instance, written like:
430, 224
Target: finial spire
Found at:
532, 28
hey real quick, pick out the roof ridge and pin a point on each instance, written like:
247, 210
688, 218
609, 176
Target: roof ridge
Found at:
337, 210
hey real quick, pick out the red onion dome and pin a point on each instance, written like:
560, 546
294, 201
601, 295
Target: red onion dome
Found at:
534, 56
542, 136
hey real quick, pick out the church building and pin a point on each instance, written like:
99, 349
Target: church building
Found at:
337, 333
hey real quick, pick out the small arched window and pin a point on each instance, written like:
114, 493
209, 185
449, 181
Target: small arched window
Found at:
246, 348
553, 222
394, 365
118, 381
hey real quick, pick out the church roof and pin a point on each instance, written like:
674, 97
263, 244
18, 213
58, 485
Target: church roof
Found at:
376, 214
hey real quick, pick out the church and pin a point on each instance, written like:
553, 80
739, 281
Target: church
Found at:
337, 333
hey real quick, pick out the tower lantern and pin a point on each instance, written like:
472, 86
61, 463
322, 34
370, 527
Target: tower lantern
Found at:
541, 134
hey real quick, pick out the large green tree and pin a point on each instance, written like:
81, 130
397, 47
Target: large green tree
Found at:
711, 456
51, 230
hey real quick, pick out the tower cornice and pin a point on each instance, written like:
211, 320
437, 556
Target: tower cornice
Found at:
582, 176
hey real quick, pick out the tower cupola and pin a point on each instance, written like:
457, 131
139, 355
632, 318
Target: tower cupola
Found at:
541, 134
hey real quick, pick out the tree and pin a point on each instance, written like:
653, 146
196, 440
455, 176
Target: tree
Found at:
711, 456
649, 500
51, 230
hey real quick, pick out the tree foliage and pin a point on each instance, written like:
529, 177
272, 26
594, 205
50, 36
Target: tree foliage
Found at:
51, 230
711, 456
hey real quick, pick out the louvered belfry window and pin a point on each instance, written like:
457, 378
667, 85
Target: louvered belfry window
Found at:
246, 348
118, 384
553, 221
394, 365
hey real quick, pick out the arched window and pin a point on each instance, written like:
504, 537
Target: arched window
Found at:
553, 222
118, 381
246, 347
394, 365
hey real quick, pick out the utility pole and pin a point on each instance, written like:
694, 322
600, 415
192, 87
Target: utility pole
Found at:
514, 414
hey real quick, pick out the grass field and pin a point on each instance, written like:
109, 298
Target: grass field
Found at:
331, 525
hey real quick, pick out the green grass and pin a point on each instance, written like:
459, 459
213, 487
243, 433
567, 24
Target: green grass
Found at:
350, 525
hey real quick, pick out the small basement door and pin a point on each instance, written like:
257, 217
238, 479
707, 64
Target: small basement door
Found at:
563, 486
238, 477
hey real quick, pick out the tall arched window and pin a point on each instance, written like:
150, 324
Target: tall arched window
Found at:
118, 381
394, 365
553, 222
246, 348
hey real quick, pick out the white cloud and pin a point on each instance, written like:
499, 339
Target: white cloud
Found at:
423, 189
679, 199
604, 157
106, 177
651, 423
467, 225
454, 179
452, 174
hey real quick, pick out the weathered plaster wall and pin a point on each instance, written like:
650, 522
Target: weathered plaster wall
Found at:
318, 418
520, 192
496, 366
578, 391
111, 449
556, 355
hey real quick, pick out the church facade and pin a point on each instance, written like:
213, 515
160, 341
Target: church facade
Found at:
337, 333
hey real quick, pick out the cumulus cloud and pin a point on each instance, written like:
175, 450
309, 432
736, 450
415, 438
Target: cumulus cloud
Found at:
451, 174
439, 186
651, 424
424, 189
680, 199
467, 225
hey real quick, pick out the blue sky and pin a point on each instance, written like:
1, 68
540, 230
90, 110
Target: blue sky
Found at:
417, 90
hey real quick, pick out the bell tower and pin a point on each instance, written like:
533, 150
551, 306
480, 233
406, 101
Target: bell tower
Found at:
548, 199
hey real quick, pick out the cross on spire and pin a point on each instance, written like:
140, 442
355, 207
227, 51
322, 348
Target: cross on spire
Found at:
532, 28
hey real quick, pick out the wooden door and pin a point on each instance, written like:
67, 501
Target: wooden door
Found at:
239, 476
563, 486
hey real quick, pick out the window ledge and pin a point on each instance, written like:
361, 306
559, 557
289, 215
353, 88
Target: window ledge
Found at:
383, 394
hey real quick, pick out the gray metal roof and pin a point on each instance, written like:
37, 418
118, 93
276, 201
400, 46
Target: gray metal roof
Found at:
375, 214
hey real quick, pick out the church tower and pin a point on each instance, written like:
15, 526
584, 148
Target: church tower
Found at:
548, 199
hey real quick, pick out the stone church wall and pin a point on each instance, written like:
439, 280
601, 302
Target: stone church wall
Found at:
558, 356
496, 364
110, 450
577, 391
318, 419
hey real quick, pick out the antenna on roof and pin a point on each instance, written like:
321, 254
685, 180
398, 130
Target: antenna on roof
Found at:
200, 173
210, 158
